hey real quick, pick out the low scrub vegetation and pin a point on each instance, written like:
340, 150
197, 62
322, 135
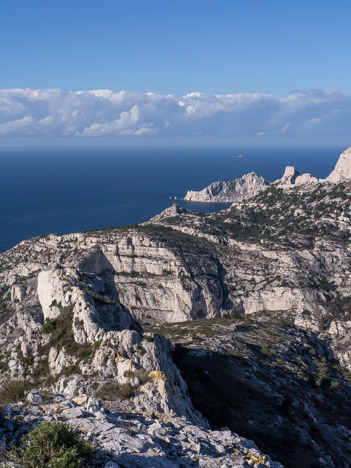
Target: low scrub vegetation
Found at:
62, 335
112, 391
54, 445
13, 390
141, 374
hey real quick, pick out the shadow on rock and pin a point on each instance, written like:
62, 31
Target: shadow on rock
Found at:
293, 420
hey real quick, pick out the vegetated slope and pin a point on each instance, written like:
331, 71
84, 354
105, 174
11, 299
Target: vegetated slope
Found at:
271, 381
285, 249
298, 217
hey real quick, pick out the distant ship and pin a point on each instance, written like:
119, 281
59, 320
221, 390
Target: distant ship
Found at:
240, 155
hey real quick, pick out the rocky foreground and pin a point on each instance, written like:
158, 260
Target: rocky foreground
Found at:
254, 302
131, 439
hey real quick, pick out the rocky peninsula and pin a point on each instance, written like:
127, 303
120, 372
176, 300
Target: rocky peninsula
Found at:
228, 192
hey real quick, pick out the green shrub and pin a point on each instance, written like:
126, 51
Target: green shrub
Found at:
141, 350
71, 370
99, 298
324, 284
54, 445
150, 339
48, 326
62, 336
13, 391
265, 349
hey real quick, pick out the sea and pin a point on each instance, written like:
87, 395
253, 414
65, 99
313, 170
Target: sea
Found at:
59, 191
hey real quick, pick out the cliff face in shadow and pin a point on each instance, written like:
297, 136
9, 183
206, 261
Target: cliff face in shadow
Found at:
270, 381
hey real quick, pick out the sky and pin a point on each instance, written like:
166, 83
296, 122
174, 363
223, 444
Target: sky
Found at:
256, 69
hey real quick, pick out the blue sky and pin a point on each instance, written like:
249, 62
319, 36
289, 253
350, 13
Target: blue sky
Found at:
174, 47
165, 46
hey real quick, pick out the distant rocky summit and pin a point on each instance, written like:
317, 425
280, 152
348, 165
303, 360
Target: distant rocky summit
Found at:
250, 184
342, 169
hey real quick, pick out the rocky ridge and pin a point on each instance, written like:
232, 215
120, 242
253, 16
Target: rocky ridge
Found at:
63, 325
67, 326
250, 184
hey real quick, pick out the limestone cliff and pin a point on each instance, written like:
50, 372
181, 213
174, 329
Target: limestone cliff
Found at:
287, 250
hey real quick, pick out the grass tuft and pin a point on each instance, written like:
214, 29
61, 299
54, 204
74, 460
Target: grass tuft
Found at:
13, 390
113, 391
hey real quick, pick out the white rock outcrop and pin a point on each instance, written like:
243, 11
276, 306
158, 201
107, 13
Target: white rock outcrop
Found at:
229, 192
293, 177
342, 170
289, 176
98, 341
51, 293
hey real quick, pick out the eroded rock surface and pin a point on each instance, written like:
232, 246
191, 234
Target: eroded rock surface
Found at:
134, 439
274, 383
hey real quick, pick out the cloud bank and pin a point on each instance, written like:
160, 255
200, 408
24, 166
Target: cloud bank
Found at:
53, 112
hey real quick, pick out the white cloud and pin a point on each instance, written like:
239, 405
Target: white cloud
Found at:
14, 127
107, 113
126, 124
285, 127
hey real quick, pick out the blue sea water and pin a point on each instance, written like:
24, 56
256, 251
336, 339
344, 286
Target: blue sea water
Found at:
61, 191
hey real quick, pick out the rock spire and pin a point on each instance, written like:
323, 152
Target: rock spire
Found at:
342, 170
